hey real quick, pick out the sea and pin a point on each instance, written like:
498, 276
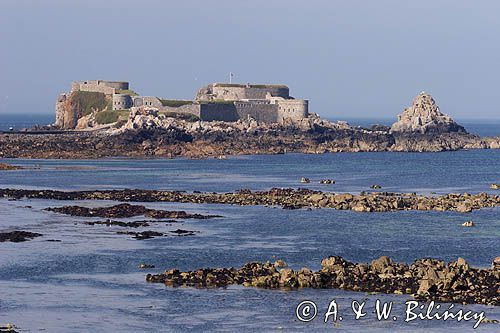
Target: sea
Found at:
88, 280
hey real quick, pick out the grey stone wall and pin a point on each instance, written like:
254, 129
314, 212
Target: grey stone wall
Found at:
121, 101
146, 101
193, 109
258, 110
239, 92
106, 87
294, 109
218, 111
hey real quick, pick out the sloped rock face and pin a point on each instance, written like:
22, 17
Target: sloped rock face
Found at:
75, 109
424, 117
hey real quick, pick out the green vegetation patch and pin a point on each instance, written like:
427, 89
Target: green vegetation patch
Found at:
181, 115
89, 101
111, 116
129, 92
175, 103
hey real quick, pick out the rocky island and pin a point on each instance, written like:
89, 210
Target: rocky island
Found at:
99, 119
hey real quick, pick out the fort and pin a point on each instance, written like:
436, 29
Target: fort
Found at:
267, 103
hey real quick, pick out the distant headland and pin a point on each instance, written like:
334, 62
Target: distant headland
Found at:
97, 119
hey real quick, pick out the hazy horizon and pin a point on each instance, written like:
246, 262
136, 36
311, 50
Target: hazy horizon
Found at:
354, 59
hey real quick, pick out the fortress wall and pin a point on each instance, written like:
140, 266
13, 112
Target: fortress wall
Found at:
121, 101
218, 112
294, 109
105, 87
118, 85
238, 93
96, 88
146, 101
262, 112
193, 109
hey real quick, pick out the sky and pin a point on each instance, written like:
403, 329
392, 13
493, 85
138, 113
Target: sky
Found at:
348, 58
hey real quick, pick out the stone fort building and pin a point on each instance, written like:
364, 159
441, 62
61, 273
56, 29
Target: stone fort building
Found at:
217, 101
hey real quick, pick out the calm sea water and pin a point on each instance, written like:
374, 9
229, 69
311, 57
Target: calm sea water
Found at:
21, 121
90, 281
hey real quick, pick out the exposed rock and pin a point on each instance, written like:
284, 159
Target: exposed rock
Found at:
182, 232
75, 109
286, 197
463, 208
305, 180
132, 224
5, 166
327, 181
147, 234
280, 264
424, 117
18, 236
126, 210
495, 265
468, 224
376, 187
426, 279
8, 328
146, 266
147, 133
495, 186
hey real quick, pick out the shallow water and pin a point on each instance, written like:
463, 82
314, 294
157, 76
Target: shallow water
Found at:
90, 280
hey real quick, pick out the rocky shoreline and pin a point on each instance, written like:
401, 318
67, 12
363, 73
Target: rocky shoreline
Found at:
425, 279
204, 140
286, 198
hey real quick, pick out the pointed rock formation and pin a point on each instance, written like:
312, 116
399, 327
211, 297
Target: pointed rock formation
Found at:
424, 117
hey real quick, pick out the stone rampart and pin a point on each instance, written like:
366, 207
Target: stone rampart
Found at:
294, 109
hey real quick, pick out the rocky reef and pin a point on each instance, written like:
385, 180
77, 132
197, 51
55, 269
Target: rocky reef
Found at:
126, 210
18, 236
287, 198
425, 279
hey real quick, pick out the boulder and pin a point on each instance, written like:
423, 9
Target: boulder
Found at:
379, 265
468, 224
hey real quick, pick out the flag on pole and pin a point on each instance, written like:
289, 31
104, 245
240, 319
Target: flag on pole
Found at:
231, 77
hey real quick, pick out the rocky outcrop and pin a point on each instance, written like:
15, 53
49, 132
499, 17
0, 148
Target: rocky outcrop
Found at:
74, 109
5, 166
424, 117
18, 236
286, 198
425, 279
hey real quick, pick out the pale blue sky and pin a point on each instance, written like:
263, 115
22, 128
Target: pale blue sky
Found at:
349, 58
